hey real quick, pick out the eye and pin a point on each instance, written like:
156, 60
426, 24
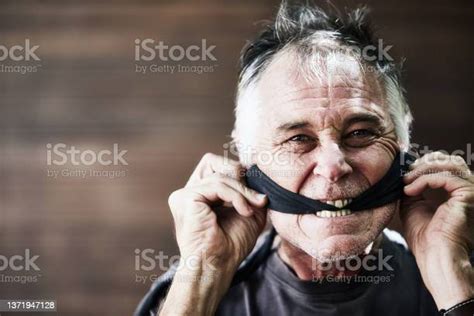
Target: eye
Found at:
300, 143
301, 138
361, 133
359, 137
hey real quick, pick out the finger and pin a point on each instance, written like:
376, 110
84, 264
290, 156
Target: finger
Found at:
439, 157
198, 199
428, 158
444, 180
211, 163
223, 192
255, 198
424, 169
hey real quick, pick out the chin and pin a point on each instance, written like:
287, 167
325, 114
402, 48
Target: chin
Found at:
338, 247
333, 239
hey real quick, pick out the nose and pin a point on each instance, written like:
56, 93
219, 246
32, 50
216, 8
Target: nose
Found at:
331, 163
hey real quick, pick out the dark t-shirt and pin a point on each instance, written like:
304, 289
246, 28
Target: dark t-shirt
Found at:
394, 288
275, 290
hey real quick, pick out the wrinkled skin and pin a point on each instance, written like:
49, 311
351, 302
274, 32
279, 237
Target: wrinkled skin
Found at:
320, 133
329, 139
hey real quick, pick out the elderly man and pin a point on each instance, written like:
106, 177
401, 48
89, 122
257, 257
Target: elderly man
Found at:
322, 102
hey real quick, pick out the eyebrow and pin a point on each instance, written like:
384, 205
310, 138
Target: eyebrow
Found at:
363, 117
290, 126
355, 118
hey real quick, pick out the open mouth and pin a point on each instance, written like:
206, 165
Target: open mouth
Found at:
339, 213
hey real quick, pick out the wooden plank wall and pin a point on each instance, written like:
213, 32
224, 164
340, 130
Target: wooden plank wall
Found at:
86, 93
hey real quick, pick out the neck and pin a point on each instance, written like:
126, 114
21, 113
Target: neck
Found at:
308, 268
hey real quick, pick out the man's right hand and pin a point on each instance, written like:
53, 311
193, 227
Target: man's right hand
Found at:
217, 219
215, 214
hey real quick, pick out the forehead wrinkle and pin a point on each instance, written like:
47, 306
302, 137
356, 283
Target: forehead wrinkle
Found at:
340, 98
335, 118
325, 89
285, 92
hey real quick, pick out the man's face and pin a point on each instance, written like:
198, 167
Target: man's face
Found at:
331, 140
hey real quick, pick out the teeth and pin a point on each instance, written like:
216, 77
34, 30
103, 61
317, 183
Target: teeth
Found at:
327, 214
339, 203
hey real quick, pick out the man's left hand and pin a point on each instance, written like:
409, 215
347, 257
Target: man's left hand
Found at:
440, 233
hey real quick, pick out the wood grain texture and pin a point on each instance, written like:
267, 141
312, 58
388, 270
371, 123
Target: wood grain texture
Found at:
87, 94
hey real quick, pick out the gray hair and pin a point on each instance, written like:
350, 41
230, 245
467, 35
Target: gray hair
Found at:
310, 32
